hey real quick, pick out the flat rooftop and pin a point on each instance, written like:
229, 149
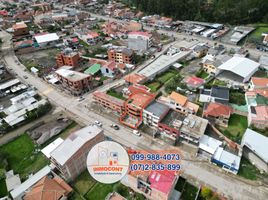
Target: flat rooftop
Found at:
158, 109
71, 75
173, 119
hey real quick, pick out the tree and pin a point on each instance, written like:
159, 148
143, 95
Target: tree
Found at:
206, 193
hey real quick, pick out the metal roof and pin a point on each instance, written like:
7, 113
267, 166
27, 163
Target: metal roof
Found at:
256, 143
158, 109
74, 142
209, 144
46, 38
240, 66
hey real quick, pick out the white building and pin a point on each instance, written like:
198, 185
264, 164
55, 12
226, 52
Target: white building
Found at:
49, 39
255, 148
139, 41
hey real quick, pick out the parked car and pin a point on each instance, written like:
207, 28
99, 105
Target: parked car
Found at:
25, 76
137, 133
98, 123
81, 98
115, 126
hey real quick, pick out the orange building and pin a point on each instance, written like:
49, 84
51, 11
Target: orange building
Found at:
68, 58
134, 105
120, 55
20, 29
51, 187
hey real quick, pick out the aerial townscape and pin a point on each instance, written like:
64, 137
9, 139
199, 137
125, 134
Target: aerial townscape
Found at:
150, 75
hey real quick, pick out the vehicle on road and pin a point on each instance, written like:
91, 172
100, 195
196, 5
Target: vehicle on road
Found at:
136, 132
26, 77
81, 98
115, 126
98, 123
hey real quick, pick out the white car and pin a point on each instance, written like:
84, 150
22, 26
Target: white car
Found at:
137, 133
98, 123
80, 98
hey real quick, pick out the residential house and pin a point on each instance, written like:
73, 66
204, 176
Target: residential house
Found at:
76, 82
200, 50
89, 37
70, 156
50, 187
109, 69
109, 102
212, 53
208, 146
20, 29
134, 78
180, 103
139, 41
177, 126
155, 185
194, 82
258, 116
263, 62
258, 83
265, 39
211, 66
215, 94
217, 113
68, 57
153, 113
120, 55
255, 148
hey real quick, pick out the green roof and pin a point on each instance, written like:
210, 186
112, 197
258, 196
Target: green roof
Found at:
93, 69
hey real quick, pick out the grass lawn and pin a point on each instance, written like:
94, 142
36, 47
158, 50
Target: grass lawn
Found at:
236, 127
100, 191
21, 156
3, 188
189, 192
202, 74
260, 29
154, 86
247, 170
163, 78
84, 183
237, 97
115, 94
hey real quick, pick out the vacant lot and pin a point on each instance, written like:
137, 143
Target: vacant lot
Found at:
84, 183
247, 170
154, 86
260, 29
236, 127
22, 157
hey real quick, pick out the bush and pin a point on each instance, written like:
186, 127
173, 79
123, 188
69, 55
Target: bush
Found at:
206, 193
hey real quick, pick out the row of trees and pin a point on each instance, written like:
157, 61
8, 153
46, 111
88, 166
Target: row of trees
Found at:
224, 11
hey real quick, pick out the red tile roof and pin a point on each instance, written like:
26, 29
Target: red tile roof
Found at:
49, 189
194, 81
217, 110
134, 78
261, 82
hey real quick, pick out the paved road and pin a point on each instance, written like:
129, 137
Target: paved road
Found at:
203, 173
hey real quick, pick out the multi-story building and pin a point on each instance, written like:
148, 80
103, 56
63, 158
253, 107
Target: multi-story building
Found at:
68, 57
108, 101
76, 82
156, 185
134, 105
139, 41
120, 55
45, 7
153, 113
20, 29
215, 94
180, 103
258, 116
70, 156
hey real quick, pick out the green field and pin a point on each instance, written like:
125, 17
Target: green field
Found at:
236, 127
21, 156
202, 74
154, 86
247, 170
163, 78
84, 183
115, 94
3, 188
99, 191
260, 29
189, 192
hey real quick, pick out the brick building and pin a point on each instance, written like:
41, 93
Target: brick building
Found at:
68, 57
76, 82
108, 101
70, 156
120, 55
20, 29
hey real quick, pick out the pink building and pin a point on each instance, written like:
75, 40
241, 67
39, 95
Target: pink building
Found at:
258, 116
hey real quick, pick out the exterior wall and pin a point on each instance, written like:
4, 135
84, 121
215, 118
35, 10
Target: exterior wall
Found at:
168, 129
21, 31
205, 98
138, 44
109, 104
77, 163
67, 60
150, 119
119, 57
254, 159
75, 87
209, 68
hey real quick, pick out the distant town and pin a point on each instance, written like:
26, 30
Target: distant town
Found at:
74, 73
